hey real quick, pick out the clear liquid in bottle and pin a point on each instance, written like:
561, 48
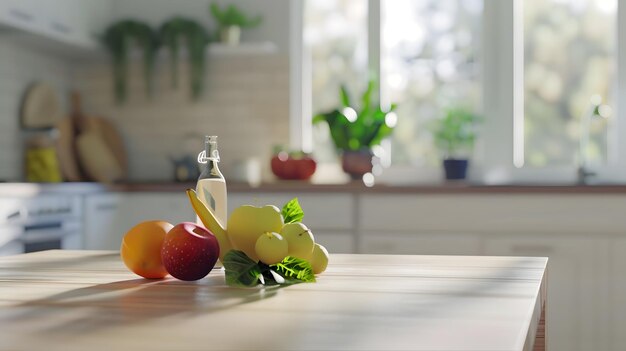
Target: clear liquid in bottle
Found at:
211, 187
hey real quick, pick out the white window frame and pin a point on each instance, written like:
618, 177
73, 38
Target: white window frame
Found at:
497, 150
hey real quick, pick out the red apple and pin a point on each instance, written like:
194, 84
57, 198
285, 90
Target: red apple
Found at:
189, 251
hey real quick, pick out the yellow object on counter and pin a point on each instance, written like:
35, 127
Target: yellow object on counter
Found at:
42, 165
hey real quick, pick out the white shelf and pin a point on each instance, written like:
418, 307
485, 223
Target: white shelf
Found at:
34, 28
254, 48
214, 50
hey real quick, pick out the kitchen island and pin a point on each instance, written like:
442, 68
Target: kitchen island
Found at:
87, 300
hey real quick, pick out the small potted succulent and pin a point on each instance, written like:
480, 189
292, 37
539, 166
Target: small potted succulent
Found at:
356, 129
230, 21
454, 135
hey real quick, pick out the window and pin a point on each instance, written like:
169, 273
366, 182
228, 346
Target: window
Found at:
429, 61
533, 89
335, 31
569, 57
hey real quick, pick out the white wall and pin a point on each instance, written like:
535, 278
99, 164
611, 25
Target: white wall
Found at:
246, 102
19, 67
247, 99
25, 59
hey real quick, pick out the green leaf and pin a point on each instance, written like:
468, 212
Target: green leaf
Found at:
367, 130
292, 212
233, 16
344, 96
319, 118
455, 130
366, 98
240, 269
244, 272
294, 270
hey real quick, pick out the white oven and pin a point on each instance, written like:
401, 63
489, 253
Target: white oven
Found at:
41, 222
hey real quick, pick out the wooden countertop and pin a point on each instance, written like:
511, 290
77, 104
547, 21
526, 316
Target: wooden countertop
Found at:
87, 300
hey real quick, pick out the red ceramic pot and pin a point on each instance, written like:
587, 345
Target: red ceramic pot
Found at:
287, 167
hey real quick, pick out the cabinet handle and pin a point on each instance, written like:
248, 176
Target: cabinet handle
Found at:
542, 250
61, 28
21, 15
16, 215
106, 207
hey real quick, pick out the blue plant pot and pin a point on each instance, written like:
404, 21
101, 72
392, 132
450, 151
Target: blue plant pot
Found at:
455, 169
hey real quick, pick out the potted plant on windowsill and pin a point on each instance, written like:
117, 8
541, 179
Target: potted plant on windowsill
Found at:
230, 21
356, 129
454, 135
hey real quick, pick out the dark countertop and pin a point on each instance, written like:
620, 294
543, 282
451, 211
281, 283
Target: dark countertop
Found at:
30, 189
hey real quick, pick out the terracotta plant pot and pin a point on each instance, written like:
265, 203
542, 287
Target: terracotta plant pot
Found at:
357, 163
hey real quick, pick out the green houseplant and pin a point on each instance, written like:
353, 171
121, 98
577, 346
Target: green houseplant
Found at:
230, 21
118, 39
196, 38
454, 135
356, 129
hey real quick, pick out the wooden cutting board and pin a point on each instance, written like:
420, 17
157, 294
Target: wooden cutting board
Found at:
90, 148
66, 151
40, 107
100, 151
114, 140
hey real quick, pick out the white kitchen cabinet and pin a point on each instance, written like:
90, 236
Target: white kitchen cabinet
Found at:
411, 243
493, 213
48, 23
67, 20
576, 313
109, 216
572, 230
617, 295
336, 241
21, 14
101, 225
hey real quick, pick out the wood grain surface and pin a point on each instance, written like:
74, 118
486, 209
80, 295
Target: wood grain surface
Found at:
87, 300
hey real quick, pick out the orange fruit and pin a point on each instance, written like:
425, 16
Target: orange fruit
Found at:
141, 249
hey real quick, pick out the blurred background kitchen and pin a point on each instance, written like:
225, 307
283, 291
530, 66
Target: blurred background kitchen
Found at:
466, 127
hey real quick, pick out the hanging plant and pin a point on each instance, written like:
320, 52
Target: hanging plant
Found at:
118, 39
196, 38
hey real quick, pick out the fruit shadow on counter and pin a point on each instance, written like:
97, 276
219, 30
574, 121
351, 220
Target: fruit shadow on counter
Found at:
133, 301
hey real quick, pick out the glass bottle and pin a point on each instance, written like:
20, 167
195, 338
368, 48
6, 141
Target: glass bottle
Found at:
211, 187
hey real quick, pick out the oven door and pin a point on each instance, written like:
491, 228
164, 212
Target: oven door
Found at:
16, 239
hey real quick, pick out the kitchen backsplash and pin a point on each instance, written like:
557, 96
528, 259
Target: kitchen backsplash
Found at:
19, 66
245, 103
